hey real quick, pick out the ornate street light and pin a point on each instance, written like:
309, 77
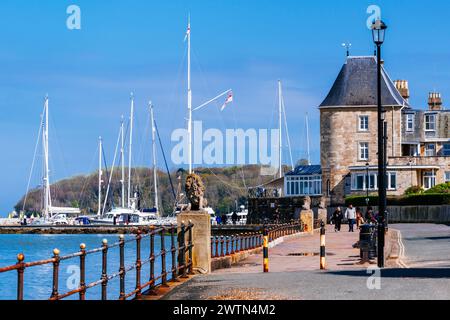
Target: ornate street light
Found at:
378, 33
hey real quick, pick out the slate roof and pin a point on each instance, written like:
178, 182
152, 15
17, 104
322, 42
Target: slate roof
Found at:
305, 171
356, 85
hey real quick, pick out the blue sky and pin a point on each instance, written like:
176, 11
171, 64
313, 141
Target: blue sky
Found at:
135, 45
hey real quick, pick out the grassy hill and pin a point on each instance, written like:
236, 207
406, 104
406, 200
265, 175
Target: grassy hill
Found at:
223, 187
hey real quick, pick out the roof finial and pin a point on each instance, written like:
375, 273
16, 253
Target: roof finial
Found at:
347, 46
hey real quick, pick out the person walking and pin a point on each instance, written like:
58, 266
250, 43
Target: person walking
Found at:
359, 218
350, 215
337, 219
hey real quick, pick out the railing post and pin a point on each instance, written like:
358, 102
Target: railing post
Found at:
163, 258
222, 246
212, 246
152, 258
173, 250
232, 244
182, 250
216, 242
191, 263
122, 266
138, 264
20, 271
227, 245
241, 242
55, 273
104, 269
83, 272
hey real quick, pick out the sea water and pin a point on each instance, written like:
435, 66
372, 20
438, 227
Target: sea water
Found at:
38, 280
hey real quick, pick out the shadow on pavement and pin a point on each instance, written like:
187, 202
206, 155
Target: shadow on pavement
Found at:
435, 273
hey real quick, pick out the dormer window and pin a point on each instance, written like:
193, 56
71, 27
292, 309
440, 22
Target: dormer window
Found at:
410, 122
430, 122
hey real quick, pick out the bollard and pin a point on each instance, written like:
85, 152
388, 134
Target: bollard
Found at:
322, 246
266, 250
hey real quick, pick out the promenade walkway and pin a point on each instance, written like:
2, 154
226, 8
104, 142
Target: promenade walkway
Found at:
299, 277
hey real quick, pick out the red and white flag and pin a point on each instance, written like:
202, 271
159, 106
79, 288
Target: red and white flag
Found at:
188, 32
229, 100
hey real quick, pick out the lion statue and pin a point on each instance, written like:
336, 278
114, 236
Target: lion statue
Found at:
195, 191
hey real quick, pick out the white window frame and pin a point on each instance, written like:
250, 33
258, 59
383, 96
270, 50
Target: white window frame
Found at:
447, 176
429, 122
430, 177
304, 185
374, 176
391, 174
428, 150
409, 121
363, 123
361, 156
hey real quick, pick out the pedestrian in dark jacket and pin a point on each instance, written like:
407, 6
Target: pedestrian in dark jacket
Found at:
337, 219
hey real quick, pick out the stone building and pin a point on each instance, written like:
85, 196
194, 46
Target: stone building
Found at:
418, 146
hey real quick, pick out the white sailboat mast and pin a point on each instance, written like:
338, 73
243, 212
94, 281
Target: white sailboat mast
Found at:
307, 140
100, 173
47, 196
122, 155
189, 97
130, 149
155, 179
280, 146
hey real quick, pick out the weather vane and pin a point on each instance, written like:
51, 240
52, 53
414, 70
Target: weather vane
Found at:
347, 47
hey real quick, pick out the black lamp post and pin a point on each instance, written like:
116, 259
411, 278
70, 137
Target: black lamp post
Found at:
367, 185
378, 33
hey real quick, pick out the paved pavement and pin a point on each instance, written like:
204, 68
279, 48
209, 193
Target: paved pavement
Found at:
425, 245
298, 277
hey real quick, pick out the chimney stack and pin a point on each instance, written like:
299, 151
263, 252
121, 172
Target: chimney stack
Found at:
434, 101
402, 87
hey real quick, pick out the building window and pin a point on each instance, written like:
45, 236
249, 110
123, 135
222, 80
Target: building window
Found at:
447, 176
363, 123
304, 186
446, 149
392, 181
430, 150
363, 151
410, 122
429, 179
359, 181
430, 122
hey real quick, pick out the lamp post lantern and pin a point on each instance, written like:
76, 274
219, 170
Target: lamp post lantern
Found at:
378, 33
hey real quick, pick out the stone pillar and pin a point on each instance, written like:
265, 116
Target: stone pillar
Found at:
201, 239
307, 218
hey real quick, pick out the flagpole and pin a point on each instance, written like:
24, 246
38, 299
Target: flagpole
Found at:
130, 149
213, 99
189, 96
279, 123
